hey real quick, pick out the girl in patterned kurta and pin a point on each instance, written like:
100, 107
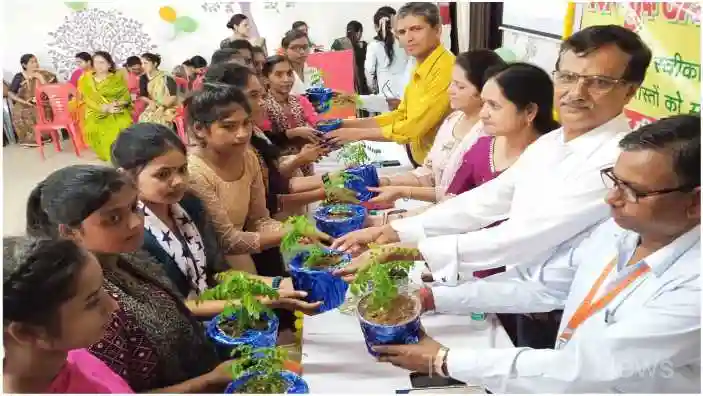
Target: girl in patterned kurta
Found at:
153, 341
288, 119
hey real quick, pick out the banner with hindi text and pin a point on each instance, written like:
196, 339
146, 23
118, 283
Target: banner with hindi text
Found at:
672, 31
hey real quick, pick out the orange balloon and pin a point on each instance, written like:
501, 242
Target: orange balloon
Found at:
168, 14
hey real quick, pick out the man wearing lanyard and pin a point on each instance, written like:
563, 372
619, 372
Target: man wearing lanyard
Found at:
552, 193
630, 290
425, 101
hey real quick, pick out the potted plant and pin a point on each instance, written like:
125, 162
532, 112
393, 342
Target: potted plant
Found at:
329, 125
340, 219
320, 98
262, 371
311, 265
356, 159
245, 319
387, 314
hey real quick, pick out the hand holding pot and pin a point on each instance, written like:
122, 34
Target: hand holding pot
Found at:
360, 239
388, 194
342, 136
306, 133
313, 152
293, 301
418, 357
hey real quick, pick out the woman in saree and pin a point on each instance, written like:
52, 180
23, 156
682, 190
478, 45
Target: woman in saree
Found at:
159, 91
22, 89
107, 104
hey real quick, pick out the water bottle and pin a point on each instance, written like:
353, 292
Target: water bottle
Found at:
479, 321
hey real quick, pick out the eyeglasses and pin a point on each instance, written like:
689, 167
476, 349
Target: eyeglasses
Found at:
630, 193
595, 84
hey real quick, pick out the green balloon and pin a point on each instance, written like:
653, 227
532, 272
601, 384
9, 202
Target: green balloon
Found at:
77, 5
186, 24
506, 54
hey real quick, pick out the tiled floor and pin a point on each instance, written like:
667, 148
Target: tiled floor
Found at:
22, 169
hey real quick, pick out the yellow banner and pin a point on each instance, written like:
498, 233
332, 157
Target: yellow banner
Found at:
672, 31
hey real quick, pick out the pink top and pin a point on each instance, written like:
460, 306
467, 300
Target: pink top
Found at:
75, 77
84, 373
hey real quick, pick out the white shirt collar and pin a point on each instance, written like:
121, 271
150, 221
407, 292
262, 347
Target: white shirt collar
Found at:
663, 258
587, 143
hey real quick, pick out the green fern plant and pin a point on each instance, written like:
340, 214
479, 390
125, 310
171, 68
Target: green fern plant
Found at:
356, 154
335, 188
242, 294
267, 363
381, 279
299, 228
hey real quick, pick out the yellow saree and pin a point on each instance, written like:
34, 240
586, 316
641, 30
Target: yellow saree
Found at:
101, 128
157, 111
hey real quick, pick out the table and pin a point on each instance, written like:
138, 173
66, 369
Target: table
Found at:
335, 359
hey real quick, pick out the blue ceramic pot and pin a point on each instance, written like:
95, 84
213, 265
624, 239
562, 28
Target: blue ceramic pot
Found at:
320, 98
298, 386
401, 334
337, 227
255, 338
325, 126
320, 284
366, 176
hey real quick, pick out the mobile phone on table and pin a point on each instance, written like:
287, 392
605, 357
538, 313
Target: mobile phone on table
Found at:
418, 380
387, 164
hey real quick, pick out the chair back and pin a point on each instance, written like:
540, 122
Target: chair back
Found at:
57, 98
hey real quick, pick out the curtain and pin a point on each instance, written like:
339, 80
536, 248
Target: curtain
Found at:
463, 24
484, 21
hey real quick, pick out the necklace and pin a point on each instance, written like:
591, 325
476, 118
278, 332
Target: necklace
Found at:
491, 151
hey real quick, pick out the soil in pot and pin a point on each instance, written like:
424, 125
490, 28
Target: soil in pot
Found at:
325, 262
340, 215
229, 327
264, 385
402, 309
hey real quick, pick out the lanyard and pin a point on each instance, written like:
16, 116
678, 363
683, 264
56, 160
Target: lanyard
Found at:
588, 308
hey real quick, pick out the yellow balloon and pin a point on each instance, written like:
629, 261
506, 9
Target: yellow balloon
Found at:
168, 14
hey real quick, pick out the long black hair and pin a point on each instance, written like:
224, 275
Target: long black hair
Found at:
524, 84
354, 27
153, 58
24, 60
39, 275
211, 104
68, 196
271, 62
238, 76
382, 21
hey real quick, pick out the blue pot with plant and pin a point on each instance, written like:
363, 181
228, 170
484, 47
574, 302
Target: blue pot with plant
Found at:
261, 371
320, 97
245, 320
311, 270
359, 173
386, 315
340, 219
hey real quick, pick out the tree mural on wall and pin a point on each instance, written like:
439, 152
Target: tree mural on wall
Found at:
244, 8
93, 29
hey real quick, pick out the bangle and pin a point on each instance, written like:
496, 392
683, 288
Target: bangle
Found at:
276, 283
440, 362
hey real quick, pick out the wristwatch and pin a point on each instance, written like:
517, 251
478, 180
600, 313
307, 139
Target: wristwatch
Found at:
440, 362
276, 283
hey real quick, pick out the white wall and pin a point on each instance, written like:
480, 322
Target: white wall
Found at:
131, 27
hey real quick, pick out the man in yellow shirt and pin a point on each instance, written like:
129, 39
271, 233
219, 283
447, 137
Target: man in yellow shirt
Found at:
425, 102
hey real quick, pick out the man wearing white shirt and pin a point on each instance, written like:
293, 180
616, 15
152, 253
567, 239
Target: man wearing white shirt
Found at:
553, 192
630, 290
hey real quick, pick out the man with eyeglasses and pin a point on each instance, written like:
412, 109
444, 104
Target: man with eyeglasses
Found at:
552, 194
631, 290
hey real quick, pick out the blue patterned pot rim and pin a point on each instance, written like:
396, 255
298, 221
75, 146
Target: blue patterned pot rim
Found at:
248, 334
296, 383
322, 213
298, 264
418, 308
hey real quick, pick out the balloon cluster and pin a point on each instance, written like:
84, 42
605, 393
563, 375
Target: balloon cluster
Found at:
180, 24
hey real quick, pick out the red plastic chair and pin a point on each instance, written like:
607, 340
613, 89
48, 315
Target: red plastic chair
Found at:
58, 96
180, 122
181, 83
